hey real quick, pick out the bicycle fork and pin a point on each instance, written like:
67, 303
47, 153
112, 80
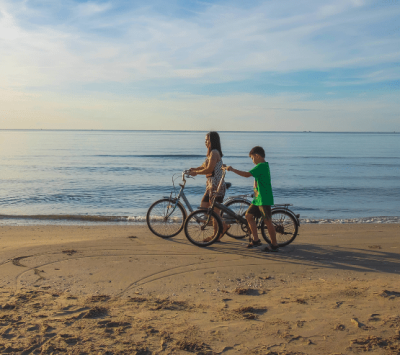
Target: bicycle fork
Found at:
207, 222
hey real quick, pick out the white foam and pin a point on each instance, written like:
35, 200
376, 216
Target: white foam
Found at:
386, 220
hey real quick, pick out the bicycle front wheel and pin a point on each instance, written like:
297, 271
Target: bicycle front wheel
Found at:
203, 227
285, 225
239, 206
165, 219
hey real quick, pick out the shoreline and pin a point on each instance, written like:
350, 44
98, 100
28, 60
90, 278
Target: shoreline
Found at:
77, 220
120, 289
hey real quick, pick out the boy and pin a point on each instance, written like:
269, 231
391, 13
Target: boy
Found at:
263, 198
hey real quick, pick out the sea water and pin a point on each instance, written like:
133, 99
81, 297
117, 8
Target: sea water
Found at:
57, 176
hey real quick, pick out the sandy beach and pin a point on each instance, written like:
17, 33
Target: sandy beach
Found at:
122, 290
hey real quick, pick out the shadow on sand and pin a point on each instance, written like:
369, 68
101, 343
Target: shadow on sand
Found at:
331, 257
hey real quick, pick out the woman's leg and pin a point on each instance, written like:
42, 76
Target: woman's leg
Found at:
225, 226
205, 201
204, 204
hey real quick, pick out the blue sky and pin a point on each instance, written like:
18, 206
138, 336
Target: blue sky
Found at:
201, 65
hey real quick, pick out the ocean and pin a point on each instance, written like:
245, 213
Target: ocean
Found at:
93, 177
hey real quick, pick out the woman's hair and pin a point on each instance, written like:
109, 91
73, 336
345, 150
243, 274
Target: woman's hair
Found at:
215, 142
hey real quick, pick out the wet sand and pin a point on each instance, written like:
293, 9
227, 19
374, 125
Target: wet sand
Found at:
122, 290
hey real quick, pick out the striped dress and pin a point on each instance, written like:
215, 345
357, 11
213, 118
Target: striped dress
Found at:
215, 178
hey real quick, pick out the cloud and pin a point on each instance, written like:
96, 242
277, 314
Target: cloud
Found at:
91, 8
383, 75
338, 7
131, 65
219, 44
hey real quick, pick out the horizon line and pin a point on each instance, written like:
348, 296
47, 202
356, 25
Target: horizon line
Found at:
180, 130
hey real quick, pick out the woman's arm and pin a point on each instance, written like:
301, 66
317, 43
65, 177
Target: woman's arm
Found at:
245, 174
210, 166
197, 169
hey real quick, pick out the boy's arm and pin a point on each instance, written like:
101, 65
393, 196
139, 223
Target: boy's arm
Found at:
245, 174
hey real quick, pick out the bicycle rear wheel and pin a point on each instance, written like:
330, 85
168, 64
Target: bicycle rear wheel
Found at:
286, 227
239, 206
199, 231
165, 221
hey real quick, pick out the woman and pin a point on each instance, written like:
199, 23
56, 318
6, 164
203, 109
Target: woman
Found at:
212, 169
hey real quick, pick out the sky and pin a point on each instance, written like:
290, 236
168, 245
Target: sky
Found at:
276, 65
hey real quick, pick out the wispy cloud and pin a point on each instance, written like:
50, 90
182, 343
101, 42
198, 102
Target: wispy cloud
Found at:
222, 43
69, 46
91, 8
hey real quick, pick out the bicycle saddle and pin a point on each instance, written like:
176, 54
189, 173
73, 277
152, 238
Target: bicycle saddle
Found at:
228, 185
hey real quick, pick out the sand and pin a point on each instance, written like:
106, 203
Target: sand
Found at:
122, 290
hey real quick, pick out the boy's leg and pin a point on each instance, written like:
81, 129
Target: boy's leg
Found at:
271, 231
253, 226
267, 216
250, 213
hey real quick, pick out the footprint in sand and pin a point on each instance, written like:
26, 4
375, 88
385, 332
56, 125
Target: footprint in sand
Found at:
389, 294
69, 252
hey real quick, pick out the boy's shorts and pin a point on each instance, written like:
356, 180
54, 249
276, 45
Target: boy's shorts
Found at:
260, 211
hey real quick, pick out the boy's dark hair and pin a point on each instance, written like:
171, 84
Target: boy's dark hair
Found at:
258, 150
215, 142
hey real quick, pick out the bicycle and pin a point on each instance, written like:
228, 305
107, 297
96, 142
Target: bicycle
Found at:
201, 231
165, 217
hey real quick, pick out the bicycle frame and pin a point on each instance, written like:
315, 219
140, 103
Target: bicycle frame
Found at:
181, 195
228, 211
283, 220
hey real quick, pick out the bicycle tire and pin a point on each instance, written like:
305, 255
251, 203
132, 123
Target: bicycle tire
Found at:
197, 230
239, 206
286, 227
160, 225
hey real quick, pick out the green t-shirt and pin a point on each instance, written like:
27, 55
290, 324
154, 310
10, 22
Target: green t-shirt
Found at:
263, 191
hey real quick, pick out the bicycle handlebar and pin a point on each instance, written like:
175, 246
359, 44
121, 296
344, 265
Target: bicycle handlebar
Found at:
185, 174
